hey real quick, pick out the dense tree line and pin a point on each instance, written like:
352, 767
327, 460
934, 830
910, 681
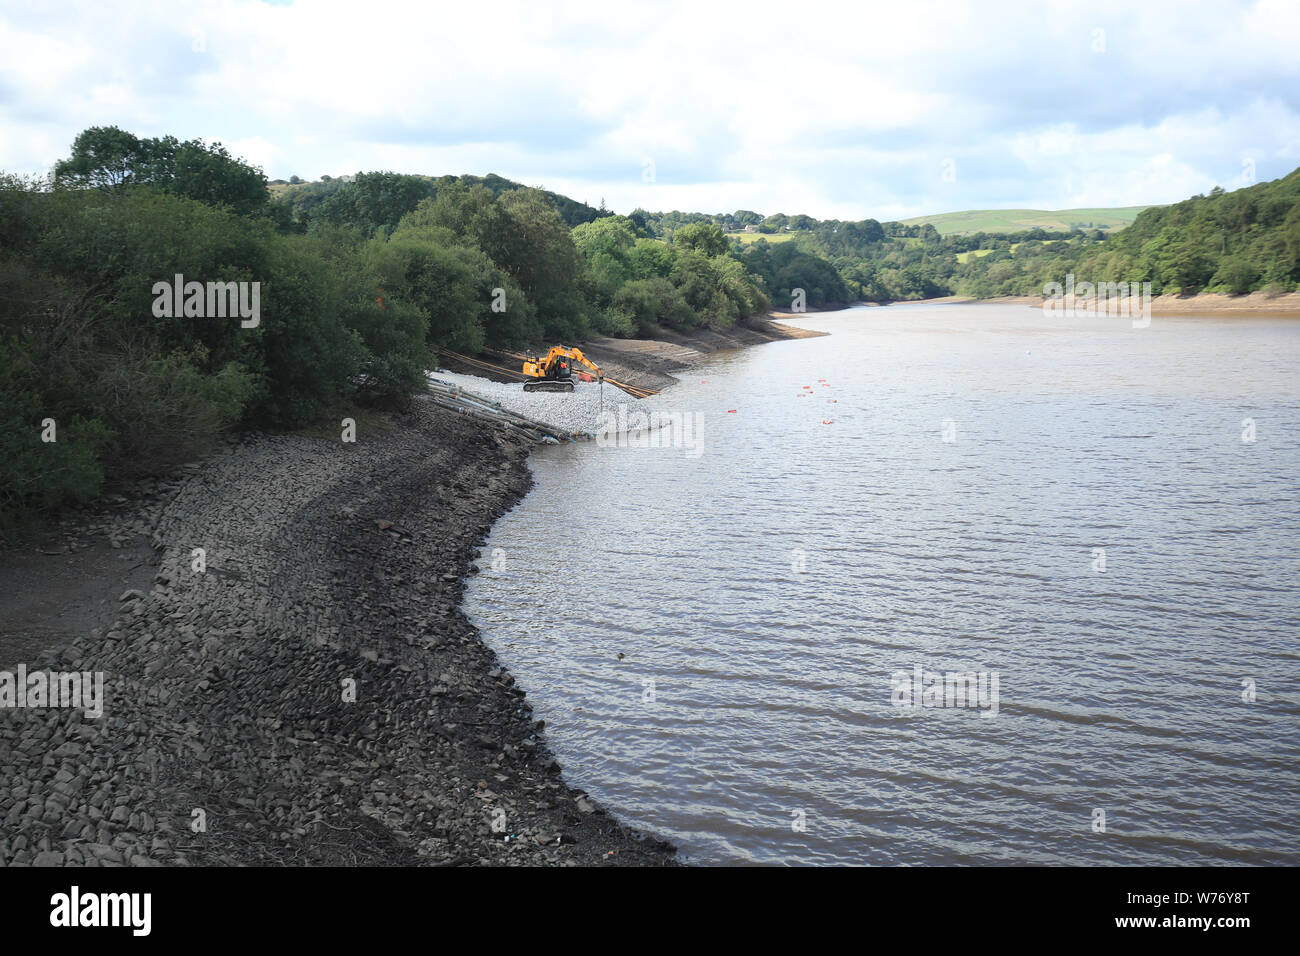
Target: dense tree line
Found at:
642, 283
375, 200
787, 266
1244, 241
361, 282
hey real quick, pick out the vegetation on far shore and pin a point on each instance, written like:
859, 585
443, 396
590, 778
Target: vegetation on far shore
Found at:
363, 278
1235, 242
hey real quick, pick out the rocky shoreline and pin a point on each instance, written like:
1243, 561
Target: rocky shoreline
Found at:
309, 691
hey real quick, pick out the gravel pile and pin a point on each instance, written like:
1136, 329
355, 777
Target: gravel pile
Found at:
576, 411
314, 695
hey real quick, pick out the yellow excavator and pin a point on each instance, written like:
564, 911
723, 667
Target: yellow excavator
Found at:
554, 372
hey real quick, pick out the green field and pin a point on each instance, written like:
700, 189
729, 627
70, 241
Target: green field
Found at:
981, 253
1015, 220
748, 237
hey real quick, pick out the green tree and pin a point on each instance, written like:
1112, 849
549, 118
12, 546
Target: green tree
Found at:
701, 237
210, 174
649, 258
1235, 274
103, 157
606, 245
108, 158
373, 201
523, 234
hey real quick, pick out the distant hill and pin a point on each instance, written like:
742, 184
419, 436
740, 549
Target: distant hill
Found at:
1016, 220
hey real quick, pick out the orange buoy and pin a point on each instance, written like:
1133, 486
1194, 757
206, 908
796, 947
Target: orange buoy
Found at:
827, 422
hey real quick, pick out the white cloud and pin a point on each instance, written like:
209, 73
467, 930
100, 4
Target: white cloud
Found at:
825, 108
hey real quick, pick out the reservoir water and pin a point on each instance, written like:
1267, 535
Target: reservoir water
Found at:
722, 641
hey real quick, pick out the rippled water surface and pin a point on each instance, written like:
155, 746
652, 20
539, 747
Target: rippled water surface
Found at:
1119, 690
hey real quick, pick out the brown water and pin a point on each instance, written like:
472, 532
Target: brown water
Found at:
773, 701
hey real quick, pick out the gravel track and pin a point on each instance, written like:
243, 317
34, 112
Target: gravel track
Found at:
576, 411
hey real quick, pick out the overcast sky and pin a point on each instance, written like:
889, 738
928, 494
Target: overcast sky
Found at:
841, 110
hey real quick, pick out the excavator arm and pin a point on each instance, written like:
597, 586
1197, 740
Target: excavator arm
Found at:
577, 356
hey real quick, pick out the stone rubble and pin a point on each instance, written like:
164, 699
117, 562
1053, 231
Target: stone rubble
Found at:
314, 695
576, 411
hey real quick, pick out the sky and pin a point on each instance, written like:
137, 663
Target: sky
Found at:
844, 110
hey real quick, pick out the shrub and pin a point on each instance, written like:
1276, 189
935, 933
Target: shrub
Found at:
35, 474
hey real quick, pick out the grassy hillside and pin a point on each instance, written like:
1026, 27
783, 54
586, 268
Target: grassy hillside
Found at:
963, 257
1247, 240
1017, 220
748, 237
